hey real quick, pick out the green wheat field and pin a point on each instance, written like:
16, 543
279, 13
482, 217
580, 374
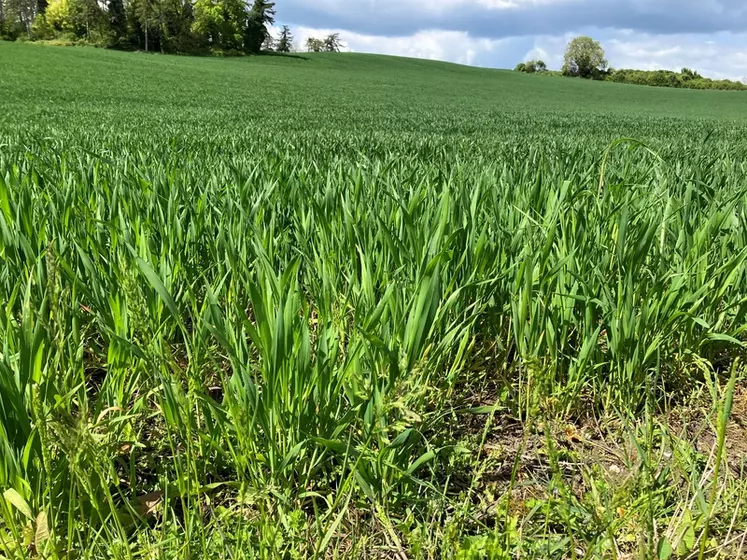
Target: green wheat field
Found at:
354, 306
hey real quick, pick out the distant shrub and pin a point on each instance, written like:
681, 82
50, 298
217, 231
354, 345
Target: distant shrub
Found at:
688, 75
687, 78
537, 66
531, 67
227, 53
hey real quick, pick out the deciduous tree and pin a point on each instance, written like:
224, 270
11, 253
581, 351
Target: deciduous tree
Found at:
220, 24
332, 43
314, 45
145, 15
584, 57
19, 15
58, 16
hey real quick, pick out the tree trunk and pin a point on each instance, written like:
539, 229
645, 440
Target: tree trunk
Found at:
26, 17
146, 37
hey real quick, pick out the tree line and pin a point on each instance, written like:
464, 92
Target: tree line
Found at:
585, 58
686, 79
167, 26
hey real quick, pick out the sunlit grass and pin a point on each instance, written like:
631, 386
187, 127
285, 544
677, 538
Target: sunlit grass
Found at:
277, 307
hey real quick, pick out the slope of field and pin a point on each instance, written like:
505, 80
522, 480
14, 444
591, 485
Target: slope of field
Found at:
43, 86
360, 306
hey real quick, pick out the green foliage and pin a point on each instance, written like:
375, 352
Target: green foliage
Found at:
117, 19
584, 57
261, 15
687, 78
688, 74
58, 16
221, 24
173, 26
332, 43
17, 18
666, 78
285, 41
175, 20
41, 29
74, 18
208, 17
304, 324
314, 45
531, 67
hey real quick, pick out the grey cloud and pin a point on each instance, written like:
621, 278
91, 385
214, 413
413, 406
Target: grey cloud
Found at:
390, 17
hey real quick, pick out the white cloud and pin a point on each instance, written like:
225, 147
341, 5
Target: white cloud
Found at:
437, 6
722, 55
724, 58
447, 5
719, 55
451, 46
549, 49
520, 18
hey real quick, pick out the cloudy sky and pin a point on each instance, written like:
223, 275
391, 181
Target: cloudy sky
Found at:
708, 35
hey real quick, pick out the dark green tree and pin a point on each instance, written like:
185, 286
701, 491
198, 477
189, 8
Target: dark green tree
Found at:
332, 43
19, 16
85, 18
234, 24
117, 19
146, 18
2, 19
261, 15
174, 19
177, 31
285, 42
